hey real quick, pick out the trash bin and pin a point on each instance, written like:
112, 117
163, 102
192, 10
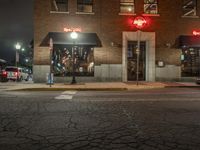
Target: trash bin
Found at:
49, 78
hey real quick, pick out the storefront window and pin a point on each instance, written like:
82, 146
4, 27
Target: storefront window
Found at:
59, 5
189, 7
190, 59
85, 6
62, 62
150, 7
127, 6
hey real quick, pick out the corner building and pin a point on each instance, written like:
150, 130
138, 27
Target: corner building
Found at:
106, 46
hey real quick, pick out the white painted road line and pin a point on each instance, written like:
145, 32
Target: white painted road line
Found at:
66, 95
69, 92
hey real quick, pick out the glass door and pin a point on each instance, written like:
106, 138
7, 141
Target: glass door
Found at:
132, 61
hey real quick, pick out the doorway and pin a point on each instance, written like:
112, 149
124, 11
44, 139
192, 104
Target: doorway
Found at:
132, 61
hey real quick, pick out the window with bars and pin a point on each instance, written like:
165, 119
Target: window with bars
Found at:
150, 6
59, 5
127, 6
85, 6
189, 7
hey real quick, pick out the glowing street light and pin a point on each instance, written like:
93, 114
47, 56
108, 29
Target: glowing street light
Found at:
74, 36
18, 47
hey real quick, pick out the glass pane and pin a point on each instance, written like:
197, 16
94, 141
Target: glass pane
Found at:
11, 69
127, 1
85, 8
85, 1
127, 6
59, 5
150, 8
127, 9
63, 63
132, 61
189, 7
150, 1
190, 62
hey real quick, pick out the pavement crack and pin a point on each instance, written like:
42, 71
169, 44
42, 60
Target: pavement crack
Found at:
70, 123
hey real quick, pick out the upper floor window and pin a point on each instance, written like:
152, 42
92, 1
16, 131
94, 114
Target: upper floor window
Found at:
85, 6
189, 7
127, 6
150, 6
59, 5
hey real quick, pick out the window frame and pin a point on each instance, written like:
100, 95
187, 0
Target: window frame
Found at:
79, 11
190, 62
56, 3
62, 60
184, 8
146, 2
124, 3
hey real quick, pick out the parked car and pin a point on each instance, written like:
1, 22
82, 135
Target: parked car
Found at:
3, 76
198, 80
16, 73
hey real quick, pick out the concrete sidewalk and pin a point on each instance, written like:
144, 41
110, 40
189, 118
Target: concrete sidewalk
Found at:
27, 86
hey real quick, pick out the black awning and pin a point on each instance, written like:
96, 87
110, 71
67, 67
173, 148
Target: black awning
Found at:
189, 41
63, 38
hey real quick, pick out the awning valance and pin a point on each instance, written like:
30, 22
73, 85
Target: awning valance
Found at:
189, 41
64, 38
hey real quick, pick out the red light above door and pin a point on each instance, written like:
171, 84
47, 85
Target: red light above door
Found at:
139, 22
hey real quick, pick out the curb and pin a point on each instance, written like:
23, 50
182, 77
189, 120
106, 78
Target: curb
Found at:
183, 86
124, 88
72, 89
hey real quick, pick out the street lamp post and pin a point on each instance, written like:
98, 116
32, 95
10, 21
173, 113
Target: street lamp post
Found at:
139, 22
18, 47
74, 36
50, 62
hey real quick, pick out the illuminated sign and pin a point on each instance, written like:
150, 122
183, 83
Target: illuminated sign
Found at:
72, 29
196, 32
139, 22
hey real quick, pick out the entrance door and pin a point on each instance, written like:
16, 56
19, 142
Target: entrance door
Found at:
132, 61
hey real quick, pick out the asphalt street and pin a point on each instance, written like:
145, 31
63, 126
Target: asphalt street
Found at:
156, 119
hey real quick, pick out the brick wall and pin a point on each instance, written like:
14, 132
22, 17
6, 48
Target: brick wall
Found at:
108, 25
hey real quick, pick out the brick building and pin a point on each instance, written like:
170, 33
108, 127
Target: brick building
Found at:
106, 47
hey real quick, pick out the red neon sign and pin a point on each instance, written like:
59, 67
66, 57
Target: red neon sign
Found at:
196, 32
72, 29
139, 22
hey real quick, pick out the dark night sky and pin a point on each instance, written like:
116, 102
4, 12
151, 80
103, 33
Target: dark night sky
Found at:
16, 25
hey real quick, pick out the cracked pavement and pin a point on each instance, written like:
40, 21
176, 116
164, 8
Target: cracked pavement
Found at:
127, 121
